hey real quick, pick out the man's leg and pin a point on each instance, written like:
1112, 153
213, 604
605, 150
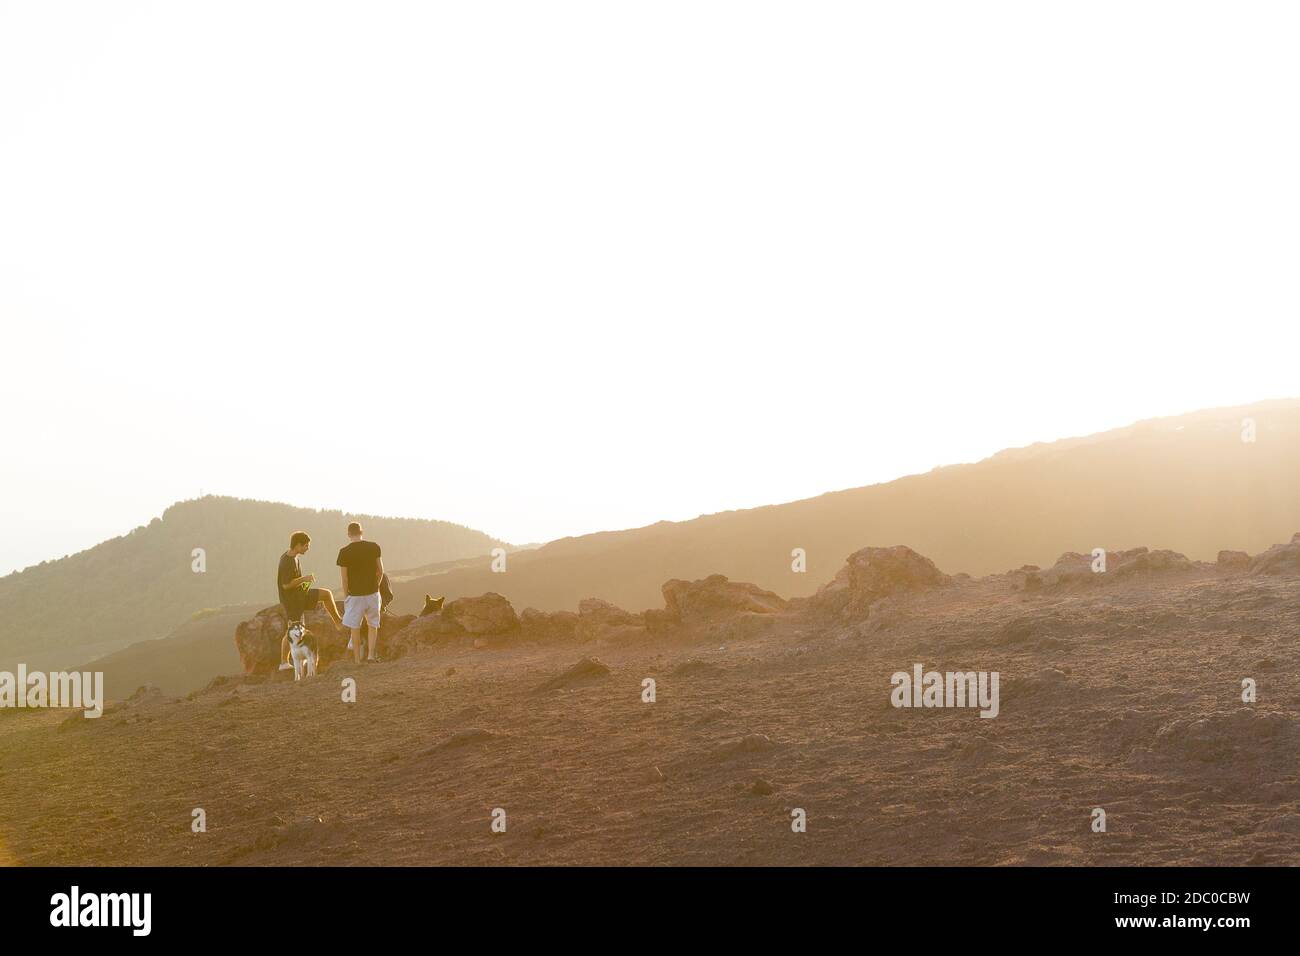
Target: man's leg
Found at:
352, 622
374, 613
332, 609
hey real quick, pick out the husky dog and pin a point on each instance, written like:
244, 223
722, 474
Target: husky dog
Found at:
431, 606
302, 651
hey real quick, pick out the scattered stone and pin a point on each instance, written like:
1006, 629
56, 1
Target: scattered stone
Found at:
585, 671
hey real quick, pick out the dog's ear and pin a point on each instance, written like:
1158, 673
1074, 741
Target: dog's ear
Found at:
428, 599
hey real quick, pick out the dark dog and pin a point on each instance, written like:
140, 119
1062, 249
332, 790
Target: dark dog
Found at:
431, 606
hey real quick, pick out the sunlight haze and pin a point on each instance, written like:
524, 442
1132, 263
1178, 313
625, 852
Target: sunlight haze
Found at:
549, 269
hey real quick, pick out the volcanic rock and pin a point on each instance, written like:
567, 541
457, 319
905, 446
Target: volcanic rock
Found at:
873, 573
258, 639
548, 625
1233, 560
487, 614
1279, 559
585, 671
692, 602
599, 619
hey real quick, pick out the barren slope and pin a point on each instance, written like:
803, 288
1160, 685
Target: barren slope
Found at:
1189, 483
1124, 696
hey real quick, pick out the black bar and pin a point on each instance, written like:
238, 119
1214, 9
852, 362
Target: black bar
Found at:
946, 905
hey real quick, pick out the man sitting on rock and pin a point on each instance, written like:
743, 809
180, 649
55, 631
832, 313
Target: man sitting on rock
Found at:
296, 592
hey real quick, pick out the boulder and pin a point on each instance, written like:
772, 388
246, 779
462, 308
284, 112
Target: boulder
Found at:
716, 606
487, 615
1233, 560
1070, 573
548, 625
716, 597
425, 631
1279, 559
660, 622
1150, 561
873, 573
390, 626
599, 619
1073, 568
258, 639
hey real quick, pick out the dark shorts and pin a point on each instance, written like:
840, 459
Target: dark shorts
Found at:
298, 602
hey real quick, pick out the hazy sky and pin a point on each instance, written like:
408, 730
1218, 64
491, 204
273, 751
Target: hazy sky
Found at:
560, 267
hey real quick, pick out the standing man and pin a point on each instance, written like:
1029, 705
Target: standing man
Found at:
296, 592
361, 568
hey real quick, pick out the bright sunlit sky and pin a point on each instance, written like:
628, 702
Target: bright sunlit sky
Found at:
553, 268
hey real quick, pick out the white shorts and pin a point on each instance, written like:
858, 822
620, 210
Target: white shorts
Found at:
355, 607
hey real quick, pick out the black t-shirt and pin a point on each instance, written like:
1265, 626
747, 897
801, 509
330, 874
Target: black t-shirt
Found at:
289, 570
361, 559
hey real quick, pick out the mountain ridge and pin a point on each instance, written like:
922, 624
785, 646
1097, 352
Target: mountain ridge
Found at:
1186, 482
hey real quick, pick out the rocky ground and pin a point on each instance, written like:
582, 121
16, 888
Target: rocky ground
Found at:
1119, 690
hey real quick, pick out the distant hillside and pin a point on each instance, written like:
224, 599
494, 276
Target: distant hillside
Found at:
184, 661
141, 586
1188, 483
440, 567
